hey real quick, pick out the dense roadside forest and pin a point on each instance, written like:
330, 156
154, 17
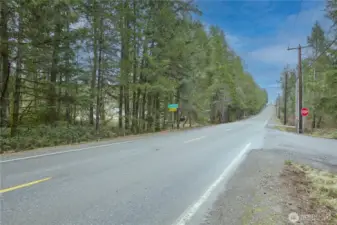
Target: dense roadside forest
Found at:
79, 70
319, 80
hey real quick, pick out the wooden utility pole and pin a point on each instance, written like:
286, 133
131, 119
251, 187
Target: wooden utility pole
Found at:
285, 98
300, 88
279, 106
300, 91
313, 124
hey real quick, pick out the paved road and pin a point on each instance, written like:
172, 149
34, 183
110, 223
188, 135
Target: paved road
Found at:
154, 180
255, 194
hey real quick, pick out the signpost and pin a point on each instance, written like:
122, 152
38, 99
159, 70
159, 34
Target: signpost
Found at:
305, 111
173, 108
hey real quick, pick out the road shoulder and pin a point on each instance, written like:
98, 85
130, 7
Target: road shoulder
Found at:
264, 191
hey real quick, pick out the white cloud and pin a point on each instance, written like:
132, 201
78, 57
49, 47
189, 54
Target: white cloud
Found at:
275, 54
273, 86
291, 33
266, 55
233, 41
206, 26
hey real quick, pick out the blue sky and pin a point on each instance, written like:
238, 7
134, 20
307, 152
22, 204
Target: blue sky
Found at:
260, 31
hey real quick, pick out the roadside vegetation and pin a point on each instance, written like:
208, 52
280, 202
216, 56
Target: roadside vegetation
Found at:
73, 71
319, 80
330, 133
314, 191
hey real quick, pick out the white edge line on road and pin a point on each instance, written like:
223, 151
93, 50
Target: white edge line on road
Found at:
266, 123
281, 125
62, 152
192, 210
195, 139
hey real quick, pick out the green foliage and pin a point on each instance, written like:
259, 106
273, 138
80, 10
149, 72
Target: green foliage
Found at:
319, 79
45, 136
98, 62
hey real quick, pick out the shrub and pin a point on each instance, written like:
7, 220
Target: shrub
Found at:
45, 136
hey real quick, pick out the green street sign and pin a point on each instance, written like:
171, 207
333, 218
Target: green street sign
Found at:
173, 106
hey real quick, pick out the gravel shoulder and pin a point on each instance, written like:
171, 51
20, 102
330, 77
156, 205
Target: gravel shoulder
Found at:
269, 185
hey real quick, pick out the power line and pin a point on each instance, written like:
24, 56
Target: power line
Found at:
330, 29
326, 49
296, 18
329, 46
298, 12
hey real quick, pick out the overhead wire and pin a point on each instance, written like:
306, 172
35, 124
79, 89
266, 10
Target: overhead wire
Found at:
328, 46
296, 17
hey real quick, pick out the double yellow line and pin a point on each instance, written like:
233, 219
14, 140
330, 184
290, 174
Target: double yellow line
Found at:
24, 185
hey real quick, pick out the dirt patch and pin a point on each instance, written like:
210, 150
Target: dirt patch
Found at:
313, 195
269, 189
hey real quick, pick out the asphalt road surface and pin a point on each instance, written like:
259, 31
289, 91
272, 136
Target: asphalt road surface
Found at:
166, 179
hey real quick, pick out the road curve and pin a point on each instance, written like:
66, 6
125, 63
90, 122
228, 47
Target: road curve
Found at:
155, 180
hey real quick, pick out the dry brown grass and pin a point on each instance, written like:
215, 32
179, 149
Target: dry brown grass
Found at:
314, 192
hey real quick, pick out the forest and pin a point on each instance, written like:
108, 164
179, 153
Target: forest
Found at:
319, 81
72, 71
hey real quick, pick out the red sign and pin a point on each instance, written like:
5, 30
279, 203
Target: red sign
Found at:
305, 111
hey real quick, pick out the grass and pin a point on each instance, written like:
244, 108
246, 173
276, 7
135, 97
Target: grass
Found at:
267, 219
288, 129
39, 136
288, 162
326, 133
258, 213
323, 187
29, 138
46, 136
330, 133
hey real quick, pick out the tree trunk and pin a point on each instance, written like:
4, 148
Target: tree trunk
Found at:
319, 122
143, 111
16, 97
228, 113
67, 79
149, 112
102, 103
212, 108
177, 113
135, 97
313, 124
4, 76
172, 114
98, 95
142, 79
124, 26
75, 106
94, 70
127, 107
165, 112
120, 107
157, 116
52, 115
59, 103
